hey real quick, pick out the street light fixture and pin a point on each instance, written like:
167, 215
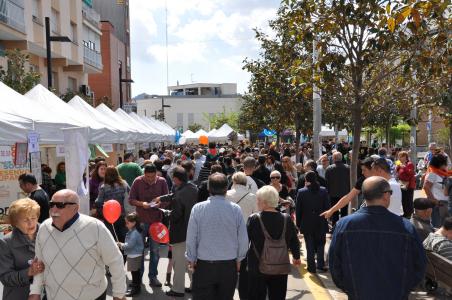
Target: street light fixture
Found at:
121, 81
50, 39
163, 107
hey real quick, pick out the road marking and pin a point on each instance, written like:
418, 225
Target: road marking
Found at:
315, 285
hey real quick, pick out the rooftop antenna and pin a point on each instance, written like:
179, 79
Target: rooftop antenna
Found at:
166, 43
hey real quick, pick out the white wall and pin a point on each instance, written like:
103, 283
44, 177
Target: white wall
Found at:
199, 107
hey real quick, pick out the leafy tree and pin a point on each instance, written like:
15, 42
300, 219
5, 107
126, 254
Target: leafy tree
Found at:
366, 51
218, 120
16, 76
66, 97
195, 127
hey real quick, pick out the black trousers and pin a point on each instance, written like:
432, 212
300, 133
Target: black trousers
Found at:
343, 211
260, 285
243, 280
407, 202
214, 280
315, 245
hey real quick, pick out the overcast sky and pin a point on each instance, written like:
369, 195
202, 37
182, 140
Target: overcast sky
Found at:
207, 41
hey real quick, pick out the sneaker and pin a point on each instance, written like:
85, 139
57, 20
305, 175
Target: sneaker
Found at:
155, 282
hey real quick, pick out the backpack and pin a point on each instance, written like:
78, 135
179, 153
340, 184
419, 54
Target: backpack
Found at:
274, 259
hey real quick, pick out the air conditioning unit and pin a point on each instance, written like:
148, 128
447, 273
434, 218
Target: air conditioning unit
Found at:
85, 90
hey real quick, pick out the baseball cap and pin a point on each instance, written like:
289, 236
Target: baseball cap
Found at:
423, 204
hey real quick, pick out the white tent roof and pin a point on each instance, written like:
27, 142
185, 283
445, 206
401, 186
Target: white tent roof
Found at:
150, 133
222, 133
13, 128
212, 132
194, 137
54, 105
201, 132
123, 135
166, 134
327, 131
187, 133
48, 126
114, 118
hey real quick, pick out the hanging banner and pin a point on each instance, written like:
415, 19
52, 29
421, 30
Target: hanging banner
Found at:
76, 156
6, 154
60, 150
35, 166
33, 142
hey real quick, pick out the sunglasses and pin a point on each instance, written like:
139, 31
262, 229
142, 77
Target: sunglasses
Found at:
275, 177
388, 191
60, 205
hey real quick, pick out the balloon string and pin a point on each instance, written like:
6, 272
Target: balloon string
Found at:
115, 232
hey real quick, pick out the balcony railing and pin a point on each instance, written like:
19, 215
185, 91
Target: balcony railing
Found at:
12, 14
91, 15
93, 58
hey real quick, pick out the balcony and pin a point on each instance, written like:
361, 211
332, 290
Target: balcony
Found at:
12, 14
92, 57
90, 15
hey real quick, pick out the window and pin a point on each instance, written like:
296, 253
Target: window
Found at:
73, 34
34, 68
55, 22
191, 118
72, 84
36, 10
180, 120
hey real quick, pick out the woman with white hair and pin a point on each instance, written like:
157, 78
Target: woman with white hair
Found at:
270, 226
241, 195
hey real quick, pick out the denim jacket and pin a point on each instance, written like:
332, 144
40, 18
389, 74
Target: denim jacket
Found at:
133, 243
375, 254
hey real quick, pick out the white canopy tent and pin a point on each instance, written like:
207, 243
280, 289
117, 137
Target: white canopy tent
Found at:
123, 135
114, 118
222, 134
97, 132
13, 128
150, 133
48, 126
194, 137
327, 131
167, 134
187, 133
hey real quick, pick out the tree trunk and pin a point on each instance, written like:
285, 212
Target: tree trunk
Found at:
357, 127
297, 137
450, 139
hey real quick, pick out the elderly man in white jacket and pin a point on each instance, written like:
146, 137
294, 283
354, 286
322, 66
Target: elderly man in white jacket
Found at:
75, 249
242, 196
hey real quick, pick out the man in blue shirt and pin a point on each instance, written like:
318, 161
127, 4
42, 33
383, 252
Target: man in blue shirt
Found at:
217, 242
375, 254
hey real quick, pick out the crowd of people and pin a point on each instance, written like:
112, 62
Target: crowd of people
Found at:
234, 215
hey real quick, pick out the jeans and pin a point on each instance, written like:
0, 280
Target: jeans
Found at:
315, 244
153, 254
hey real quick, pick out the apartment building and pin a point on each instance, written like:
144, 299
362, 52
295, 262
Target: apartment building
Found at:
115, 48
191, 103
22, 26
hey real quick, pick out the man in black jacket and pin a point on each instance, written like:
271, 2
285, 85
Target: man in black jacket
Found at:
181, 201
262, 173
337, 178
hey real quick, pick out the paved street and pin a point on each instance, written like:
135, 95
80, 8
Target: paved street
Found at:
301, 284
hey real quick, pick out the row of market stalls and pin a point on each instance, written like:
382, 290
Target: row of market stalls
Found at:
33, 122
221, 135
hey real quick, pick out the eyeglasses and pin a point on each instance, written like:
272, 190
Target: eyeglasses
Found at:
275, 177
388, 191
60, 205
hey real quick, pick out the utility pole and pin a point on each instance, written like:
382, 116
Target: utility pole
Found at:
429, 126
317, 107
413, 124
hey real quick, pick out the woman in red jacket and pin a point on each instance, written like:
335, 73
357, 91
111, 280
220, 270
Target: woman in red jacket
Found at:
407, 177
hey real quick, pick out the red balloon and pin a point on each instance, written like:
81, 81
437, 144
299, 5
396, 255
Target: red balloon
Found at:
111, 211
159, 233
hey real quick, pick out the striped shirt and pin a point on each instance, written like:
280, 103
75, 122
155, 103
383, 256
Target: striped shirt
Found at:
439, 244
216, 231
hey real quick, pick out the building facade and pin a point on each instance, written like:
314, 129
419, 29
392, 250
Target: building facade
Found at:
22, 26
115, 47
191, 103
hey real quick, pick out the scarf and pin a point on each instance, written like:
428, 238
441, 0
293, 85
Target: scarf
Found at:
439, 172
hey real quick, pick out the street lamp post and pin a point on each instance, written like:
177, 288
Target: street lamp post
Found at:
121, 81
50, 39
